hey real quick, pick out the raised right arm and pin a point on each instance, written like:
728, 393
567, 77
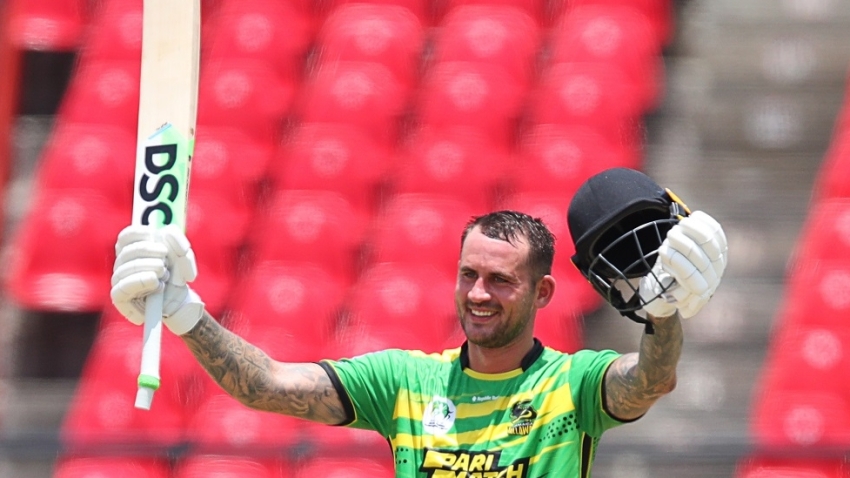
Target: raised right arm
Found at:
149, 260
247, 373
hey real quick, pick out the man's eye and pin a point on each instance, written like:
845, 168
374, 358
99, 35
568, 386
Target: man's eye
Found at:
468, 274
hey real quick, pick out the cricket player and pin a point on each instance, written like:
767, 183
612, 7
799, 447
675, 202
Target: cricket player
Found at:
502, 403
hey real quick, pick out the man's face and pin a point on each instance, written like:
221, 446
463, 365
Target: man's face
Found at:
495, 295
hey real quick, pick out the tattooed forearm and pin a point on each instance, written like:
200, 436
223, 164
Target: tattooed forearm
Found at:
635, 381
252, 377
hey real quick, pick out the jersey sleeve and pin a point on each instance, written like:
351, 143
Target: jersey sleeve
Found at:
587, 371
370, 383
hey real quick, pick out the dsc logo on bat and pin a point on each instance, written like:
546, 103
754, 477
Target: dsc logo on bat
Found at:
159, 161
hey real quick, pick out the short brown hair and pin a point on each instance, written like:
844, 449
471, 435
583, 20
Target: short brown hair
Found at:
509, 226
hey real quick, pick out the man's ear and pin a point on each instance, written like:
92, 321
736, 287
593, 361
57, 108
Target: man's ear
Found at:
545, 291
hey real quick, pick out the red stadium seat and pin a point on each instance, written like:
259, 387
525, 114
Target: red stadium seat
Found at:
329, 157
404, 301
102, 413
326, 440
825, 235
816, 295
288, 309
536, 9
800, 418
831, 181
586, 95
477, 95
104, 93
220, 424
329, 467
789, 467
47, 25
390, 35
363, 95
420, 229
275, 34
115, 33
615, 35
312, 226
458, 162
226, 466
590, 96
61, 256
90, 157
231, 162
500, 35
659, 13
419, 8
217, 229
247, 95
810, 357
557, 159
111, 466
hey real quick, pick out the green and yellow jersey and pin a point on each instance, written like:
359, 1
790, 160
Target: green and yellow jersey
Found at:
444, 420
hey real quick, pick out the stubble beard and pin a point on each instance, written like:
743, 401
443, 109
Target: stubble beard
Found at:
500, 335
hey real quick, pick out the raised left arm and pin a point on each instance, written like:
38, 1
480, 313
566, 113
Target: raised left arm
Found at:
635, 381
693, 255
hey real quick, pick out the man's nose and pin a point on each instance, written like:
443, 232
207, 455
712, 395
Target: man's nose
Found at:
478, 292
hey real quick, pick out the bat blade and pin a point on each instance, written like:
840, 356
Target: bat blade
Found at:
166, 133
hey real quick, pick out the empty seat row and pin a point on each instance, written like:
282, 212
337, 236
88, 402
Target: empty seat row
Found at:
63, 25
220, 465
799, 418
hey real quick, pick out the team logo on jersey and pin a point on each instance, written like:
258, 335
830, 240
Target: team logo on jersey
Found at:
523, 415
439, 416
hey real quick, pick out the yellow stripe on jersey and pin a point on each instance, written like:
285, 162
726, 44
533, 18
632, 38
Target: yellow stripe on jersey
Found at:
445, 356
493, 376
556, 403
536, 458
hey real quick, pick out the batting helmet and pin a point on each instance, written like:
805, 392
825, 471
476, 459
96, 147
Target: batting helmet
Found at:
618, 219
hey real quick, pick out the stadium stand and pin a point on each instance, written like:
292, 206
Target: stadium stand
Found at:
404, 301
363, 95
616, 35
47, 24
339, 468
220, 424
227, 466
61, 257
303, 139
124, 466
419, 228
447, 162
317, 226
102, 416
478, 95
333, 157
389, 35
291, 308
505, 36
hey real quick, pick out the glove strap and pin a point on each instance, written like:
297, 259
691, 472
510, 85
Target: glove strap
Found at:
648, 328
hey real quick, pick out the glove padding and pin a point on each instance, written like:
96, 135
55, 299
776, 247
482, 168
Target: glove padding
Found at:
690, 264
148, 260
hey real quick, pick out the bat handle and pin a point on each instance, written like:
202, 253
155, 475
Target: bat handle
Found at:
149, 375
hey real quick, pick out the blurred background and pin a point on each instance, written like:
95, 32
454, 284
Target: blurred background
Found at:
342, 145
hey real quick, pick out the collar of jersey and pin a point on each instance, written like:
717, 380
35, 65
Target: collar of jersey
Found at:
527, 361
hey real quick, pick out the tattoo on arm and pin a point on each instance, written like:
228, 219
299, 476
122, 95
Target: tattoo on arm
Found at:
635, 381
248, 374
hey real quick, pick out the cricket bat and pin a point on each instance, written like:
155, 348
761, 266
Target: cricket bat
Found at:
168, 102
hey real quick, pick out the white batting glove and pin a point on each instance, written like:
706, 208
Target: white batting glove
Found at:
690, 265
148, 260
